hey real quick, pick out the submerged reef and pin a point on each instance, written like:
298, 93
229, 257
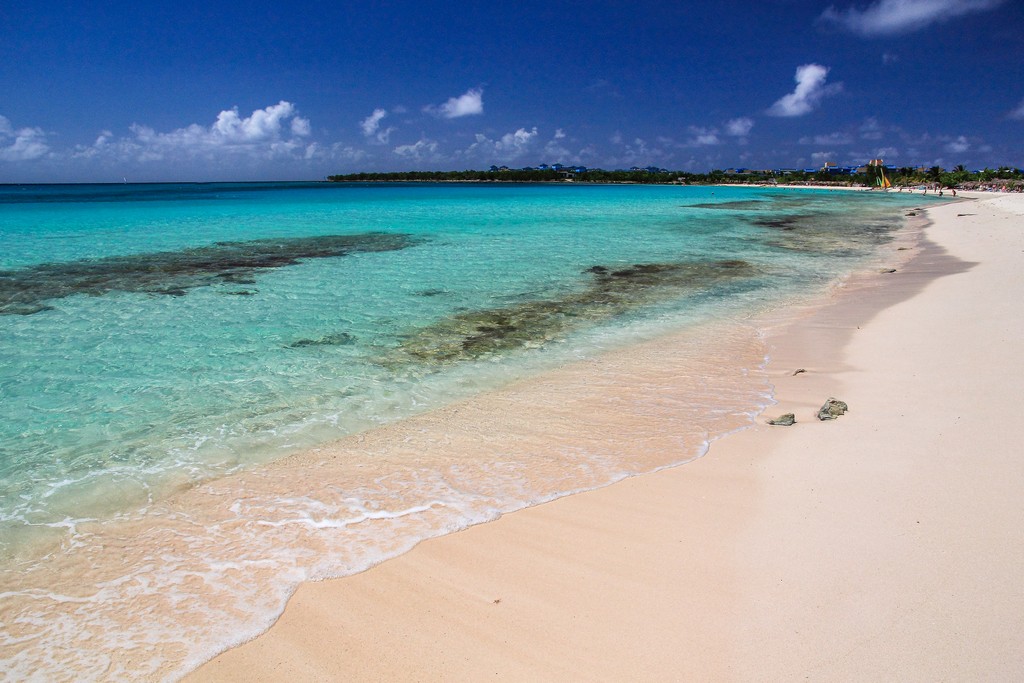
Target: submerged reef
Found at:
820, 234
741, 205
173, 273
610, 292
337, 339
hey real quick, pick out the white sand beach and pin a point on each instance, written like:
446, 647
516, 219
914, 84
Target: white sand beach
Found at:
887, 544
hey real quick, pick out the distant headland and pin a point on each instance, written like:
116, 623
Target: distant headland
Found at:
1003, 178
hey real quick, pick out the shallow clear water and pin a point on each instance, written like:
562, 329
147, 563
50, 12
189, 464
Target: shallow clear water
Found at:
158, 337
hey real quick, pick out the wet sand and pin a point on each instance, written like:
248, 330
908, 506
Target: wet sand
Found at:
885, 545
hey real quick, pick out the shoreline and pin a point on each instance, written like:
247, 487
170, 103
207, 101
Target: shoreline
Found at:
495, 598
213, 563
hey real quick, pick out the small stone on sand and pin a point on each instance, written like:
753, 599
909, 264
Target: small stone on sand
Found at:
832, 409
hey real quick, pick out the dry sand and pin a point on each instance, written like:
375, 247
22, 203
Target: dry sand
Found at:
885, 545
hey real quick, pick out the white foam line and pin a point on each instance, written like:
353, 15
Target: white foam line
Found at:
340, 524
39, 595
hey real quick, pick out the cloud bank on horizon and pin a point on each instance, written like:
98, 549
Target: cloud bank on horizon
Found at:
274, 131
871, 92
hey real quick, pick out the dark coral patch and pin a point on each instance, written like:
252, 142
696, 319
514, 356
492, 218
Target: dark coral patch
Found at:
24, 291
473, 334
336, 339
743, 205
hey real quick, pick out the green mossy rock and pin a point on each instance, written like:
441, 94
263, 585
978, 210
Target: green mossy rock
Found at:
832, 409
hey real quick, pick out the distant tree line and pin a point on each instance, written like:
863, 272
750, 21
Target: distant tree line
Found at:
957, 177
513, 175
905, 177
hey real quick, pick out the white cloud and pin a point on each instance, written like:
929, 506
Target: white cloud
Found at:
274, 132
1018, 113
517, 141
739, 127
506, 148
419, 150
467, 104
827, 140
958, 146
21, 144
886, 153
262, 125
343, 152
702, 137
871, 130
891, 17
100, 146
371, 123
301, 127
809, 91
637, 153
313, 151
371, 127
819, 158
555, 151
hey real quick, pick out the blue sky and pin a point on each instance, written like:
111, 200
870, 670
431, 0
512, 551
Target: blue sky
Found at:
255, 90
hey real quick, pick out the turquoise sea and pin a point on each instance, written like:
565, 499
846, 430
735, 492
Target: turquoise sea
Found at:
155, 339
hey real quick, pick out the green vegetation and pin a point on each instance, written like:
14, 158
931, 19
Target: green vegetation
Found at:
526, 175
517, 175
958, 177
